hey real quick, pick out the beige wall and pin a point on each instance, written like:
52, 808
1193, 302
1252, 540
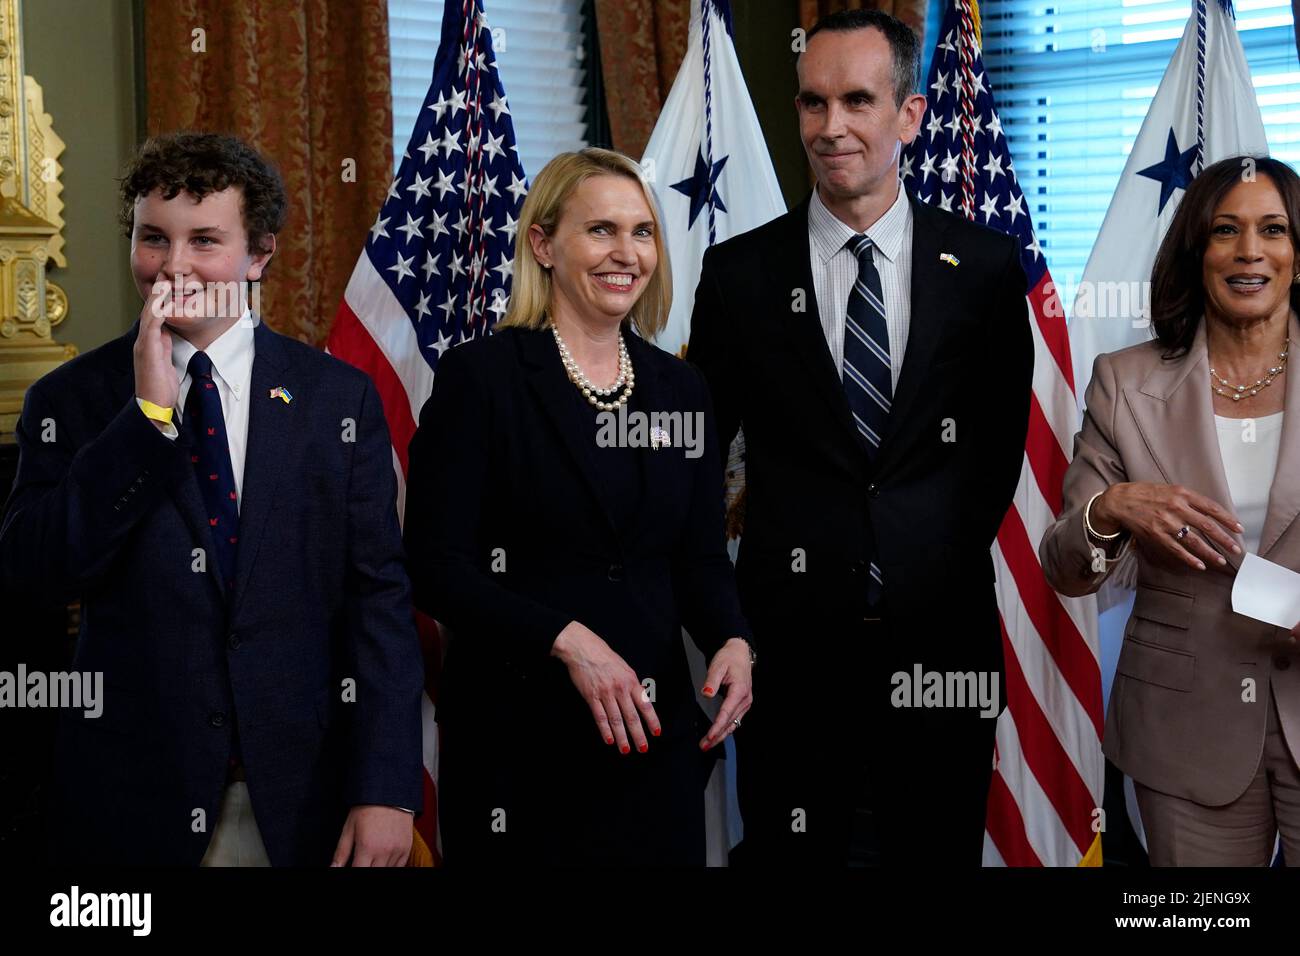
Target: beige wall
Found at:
82, 54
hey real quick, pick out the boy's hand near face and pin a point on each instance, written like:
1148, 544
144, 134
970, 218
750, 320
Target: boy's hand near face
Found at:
156, 380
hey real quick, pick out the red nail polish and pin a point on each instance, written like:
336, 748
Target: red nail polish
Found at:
708, 691
643, 748
657, 731
609, 740
625, 749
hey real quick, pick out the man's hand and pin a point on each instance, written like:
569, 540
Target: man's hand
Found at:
375, 836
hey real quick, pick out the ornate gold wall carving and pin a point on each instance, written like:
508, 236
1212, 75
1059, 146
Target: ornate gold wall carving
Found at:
31, 228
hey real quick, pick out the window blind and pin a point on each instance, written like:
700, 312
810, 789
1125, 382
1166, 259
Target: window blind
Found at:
539, 54
1073, 79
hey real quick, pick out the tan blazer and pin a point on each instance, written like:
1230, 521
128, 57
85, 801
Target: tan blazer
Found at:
1177, 721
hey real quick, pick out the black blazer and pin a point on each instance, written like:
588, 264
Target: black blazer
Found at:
931, 506
110, 512
499, 462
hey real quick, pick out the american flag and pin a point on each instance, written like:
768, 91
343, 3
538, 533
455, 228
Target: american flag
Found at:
437, 267
1049, 771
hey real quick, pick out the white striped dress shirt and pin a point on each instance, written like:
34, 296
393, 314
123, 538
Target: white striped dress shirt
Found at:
835, 269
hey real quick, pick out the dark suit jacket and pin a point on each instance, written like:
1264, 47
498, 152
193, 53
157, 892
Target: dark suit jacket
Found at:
110, 512
930, 505
503, 460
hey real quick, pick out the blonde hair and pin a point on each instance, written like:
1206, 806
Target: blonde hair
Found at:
530, 294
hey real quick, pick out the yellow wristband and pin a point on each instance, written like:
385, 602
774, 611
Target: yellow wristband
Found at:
156, 412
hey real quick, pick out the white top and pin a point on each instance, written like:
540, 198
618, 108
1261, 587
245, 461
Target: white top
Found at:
232, 369
835, 269
1249, 447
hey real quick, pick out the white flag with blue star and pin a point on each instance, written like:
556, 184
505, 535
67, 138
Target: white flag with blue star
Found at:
1203, 111
707, 160
713, 179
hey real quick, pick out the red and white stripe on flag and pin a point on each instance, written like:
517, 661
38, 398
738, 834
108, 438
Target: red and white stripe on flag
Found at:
436, 271
1049, 772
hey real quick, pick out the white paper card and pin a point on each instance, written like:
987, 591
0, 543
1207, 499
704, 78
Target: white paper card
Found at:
1267, 592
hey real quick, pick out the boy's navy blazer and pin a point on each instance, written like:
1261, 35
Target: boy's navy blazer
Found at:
314, 652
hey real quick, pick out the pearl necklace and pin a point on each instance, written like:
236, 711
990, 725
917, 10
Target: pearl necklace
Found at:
626, 377
1238, 392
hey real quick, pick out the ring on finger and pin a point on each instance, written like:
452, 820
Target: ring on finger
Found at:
1183, 532
736, 722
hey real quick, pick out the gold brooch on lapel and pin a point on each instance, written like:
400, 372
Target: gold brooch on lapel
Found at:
949, 258
281, 393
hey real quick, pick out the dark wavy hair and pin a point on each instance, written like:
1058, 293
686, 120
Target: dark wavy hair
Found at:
202, 163
1177, 284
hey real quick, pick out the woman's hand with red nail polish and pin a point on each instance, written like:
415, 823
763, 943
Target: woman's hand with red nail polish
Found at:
618, 702
730, 670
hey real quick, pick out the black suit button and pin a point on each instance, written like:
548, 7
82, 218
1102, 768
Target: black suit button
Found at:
1281, 662
873, 490
616, 572
233, 642
217, 719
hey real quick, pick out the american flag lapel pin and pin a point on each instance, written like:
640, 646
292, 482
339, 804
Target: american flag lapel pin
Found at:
281, 393
949, 258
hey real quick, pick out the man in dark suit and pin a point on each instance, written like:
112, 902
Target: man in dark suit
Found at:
877, 354
221, 499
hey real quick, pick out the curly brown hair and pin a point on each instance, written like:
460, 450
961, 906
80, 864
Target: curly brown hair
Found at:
202, 163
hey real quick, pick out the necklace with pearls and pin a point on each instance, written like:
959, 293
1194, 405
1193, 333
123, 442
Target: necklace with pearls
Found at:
624, 382
1238, 392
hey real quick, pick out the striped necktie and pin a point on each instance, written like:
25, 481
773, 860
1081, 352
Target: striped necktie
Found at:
868, 379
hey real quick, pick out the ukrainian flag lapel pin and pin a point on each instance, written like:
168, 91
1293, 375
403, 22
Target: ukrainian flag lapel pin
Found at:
281, 393
949, 258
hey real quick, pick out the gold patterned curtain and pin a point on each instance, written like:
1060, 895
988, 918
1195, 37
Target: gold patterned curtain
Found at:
911, 12
642, 43
306, 82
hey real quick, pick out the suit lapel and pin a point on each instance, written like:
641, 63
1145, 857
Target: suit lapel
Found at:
1284, 494
657, 395
272, 424
930, 301
1174, 411
546, 377
791, 260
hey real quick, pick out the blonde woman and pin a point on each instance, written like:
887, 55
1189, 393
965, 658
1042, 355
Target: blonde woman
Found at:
564, 519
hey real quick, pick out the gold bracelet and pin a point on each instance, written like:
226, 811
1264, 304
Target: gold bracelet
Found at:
1088, 524
155, 412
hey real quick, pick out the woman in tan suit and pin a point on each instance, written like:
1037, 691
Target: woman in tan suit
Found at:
1189, 457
